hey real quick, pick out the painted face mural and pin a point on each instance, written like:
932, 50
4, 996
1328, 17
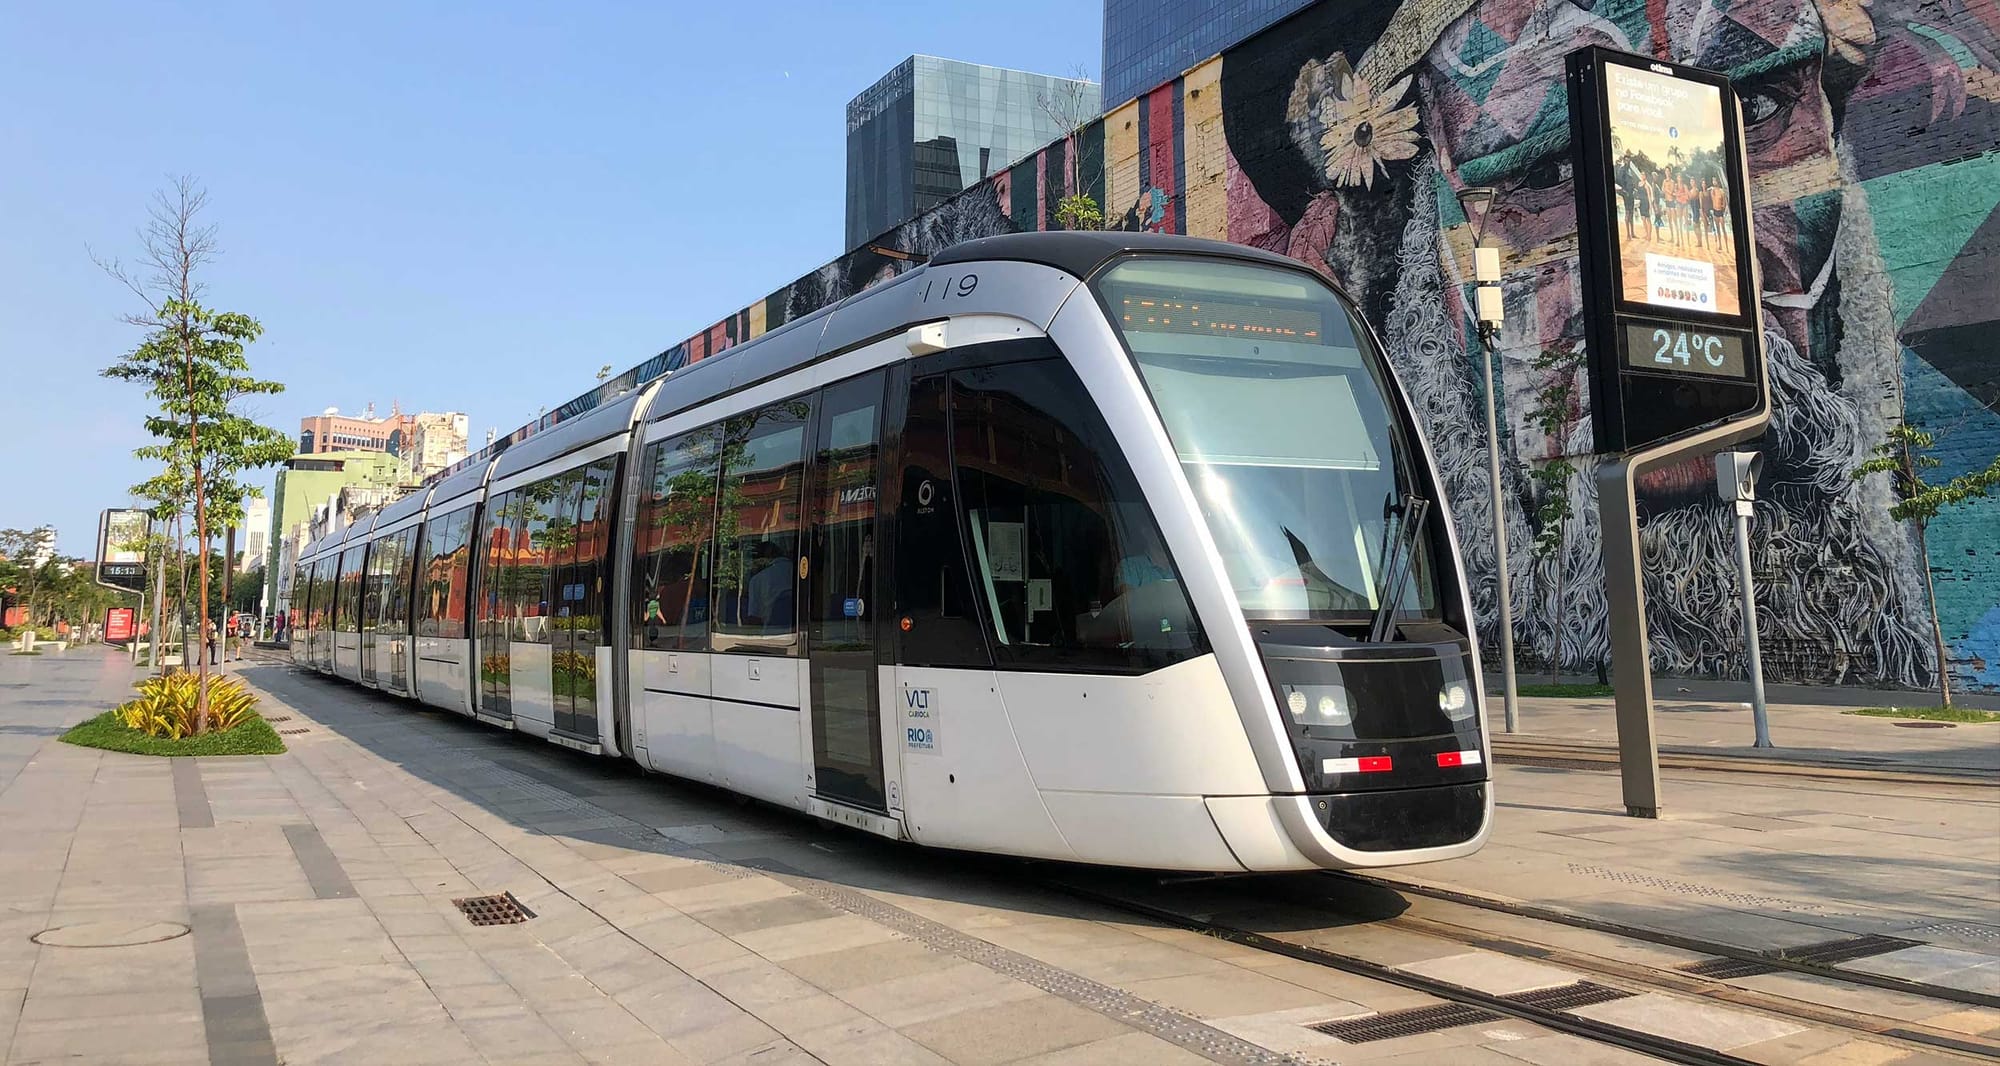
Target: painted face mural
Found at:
1378, 132
1341, 136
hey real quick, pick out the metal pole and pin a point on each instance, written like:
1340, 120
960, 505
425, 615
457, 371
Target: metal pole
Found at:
159, 594
1510, 699
1625, 598
1758, 713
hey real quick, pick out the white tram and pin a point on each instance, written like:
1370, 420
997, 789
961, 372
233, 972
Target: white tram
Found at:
1104, 547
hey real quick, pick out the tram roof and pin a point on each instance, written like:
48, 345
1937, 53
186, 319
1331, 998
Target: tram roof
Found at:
1081, 252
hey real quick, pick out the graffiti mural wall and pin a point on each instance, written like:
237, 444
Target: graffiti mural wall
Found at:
1340, 137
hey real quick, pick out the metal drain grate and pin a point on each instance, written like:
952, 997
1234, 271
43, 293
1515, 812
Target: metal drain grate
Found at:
1824, 954
1568, 997
502, 909
277, 718
1412, 1022
1728, 969
294, 732
1859, 947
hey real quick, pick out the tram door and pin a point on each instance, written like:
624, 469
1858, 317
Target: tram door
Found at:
841, 598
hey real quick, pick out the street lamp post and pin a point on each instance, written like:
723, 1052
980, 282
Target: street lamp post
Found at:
1490, 312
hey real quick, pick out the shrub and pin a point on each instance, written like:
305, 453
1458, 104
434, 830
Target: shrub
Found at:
166, 706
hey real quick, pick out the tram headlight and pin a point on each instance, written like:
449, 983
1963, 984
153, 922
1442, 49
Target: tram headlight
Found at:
1319, 705
1455, 700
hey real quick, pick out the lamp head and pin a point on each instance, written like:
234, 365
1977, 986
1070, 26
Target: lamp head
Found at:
1477, 202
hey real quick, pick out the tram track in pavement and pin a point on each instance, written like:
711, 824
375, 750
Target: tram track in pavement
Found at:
1602, 976
1561, 755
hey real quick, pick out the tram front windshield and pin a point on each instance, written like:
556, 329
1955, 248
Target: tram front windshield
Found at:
1277, 406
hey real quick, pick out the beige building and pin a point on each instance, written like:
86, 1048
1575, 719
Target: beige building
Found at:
440, 441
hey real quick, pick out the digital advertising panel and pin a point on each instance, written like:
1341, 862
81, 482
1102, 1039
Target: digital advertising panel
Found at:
1664, 239
121, 549
121, 624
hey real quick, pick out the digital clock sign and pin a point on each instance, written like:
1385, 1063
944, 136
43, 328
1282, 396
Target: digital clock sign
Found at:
1665, 245
1677, 348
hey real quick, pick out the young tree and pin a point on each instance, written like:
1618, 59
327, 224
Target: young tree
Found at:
1905, 456
1556, 412
1068, 107
191, 362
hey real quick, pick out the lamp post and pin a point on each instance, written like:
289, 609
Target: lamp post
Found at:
1490, 313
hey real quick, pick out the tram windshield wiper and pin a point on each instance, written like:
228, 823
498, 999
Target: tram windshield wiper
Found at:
1400, 562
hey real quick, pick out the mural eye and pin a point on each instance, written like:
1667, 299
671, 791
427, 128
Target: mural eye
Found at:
1547, 172
1759, 107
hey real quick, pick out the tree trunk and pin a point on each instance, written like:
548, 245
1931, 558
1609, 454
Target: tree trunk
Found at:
1937, 630
201, 537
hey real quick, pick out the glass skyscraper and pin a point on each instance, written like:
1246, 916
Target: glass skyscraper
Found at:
1147, 42
933, 127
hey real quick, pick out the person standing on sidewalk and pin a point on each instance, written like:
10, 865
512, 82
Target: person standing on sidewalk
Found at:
209, 637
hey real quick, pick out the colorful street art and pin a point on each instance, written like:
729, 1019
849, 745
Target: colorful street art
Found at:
1340, 136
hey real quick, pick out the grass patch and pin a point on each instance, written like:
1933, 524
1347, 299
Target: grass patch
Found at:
1577, 691
253, 737
1929, 714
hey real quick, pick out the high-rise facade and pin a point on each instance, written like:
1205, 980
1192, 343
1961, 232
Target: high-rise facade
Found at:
1147, 42
931, 128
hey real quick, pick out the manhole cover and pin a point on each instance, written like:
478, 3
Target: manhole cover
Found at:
502, 909
109, 934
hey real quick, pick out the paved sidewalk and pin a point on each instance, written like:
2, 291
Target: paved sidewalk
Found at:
674, 925
1806, 724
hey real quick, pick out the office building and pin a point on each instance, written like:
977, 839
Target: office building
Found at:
254, 537
932, 128
1147, 42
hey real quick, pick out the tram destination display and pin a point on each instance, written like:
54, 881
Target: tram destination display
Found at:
1669, 282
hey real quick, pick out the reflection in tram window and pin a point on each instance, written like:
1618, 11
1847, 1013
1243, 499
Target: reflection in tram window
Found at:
1281, 422
757, 536
537, 505
675, 534
445, 569
1066, 553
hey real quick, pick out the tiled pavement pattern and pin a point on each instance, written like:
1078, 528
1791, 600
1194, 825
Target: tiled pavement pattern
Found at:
672, 925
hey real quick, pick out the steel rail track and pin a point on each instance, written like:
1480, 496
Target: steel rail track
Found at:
1912, 1035
1555, 1020
1776, 961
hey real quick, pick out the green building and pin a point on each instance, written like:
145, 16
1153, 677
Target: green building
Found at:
305, 481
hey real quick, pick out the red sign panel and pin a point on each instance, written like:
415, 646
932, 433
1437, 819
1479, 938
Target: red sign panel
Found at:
119, 623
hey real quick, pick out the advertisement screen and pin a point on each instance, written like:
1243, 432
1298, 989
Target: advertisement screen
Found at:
120, 624
1673, 182
121, 549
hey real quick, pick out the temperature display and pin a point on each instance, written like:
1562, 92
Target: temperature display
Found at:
1668, 348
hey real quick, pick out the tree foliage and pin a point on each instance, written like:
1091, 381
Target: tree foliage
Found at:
1906, 457
1557, 411
192, 363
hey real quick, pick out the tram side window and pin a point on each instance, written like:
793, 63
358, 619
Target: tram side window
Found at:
675, 542
583, 595
938, 625
441, 574
539, 504
347, 607
396, 597
757, 540
497, 579
374, 581
1064, 550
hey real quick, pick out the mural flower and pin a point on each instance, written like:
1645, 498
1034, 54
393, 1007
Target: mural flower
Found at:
1364, 131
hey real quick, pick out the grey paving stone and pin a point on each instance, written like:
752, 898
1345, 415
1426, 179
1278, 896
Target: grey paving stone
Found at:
1691, 1021
985, 1036
1492, 972
1970, 970
836, 971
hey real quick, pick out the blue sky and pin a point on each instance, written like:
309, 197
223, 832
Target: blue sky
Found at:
467, 207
